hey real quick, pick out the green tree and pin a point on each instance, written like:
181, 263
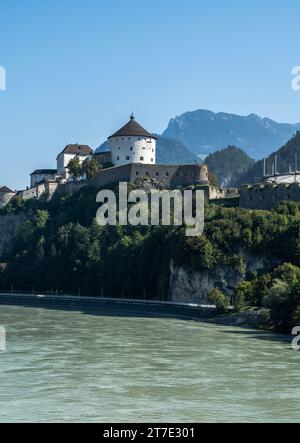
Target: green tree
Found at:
75, 168
40, 248
217, 298
90, 168
41, 218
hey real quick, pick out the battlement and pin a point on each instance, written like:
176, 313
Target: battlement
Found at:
268, 195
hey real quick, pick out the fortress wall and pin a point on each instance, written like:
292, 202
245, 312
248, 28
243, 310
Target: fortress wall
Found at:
267, 195
113, 175
29, 194
65, 188
170, 176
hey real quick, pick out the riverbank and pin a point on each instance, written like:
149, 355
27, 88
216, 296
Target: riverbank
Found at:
256, 318
249, 318
103, 306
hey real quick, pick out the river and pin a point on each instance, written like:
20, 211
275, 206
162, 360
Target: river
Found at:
68, 366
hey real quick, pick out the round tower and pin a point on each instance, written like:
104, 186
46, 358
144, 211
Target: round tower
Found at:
6, 195
132, 144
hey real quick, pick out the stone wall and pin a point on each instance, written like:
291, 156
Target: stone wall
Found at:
46, 188
69, 187
267, 195
170, 176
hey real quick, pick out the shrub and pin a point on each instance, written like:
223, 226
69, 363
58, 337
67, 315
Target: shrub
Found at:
217, 298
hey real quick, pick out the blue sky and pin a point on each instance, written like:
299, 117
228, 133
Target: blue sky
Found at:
76, 69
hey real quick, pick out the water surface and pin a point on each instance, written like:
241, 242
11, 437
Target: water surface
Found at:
66, 366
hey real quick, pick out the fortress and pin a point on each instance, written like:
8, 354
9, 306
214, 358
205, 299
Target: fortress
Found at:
131, 157
266, 196
273, 189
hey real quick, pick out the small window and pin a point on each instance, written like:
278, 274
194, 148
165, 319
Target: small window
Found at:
167, 174
144, 147
127, 158
131, 149
118, 158
137, 173
142, 159
151, 160
119, 148
157, 174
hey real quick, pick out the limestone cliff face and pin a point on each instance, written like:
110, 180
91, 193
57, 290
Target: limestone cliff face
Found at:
189, 286
9, 228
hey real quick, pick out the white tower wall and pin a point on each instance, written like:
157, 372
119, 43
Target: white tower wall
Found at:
132, 149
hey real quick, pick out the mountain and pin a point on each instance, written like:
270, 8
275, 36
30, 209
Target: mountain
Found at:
169, 151
285, 161
229, 164
204, 132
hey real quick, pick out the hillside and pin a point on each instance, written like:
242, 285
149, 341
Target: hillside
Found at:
229, 164
171, 151
59, 247
204, 132
286, 159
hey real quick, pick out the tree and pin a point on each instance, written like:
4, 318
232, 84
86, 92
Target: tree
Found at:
75, 168
90, 168
217, 298
41, 218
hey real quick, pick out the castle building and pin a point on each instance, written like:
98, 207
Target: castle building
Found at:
6, 195
40, 175
130, 156
81, 152
132, 144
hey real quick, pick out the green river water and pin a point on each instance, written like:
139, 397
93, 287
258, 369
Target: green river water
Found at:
67, 366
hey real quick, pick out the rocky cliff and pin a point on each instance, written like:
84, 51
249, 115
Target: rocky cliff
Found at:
190, 286
9, 228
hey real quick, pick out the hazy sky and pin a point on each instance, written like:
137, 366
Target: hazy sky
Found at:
76, 69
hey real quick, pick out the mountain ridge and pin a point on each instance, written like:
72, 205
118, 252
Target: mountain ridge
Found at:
204, 132
285, 160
